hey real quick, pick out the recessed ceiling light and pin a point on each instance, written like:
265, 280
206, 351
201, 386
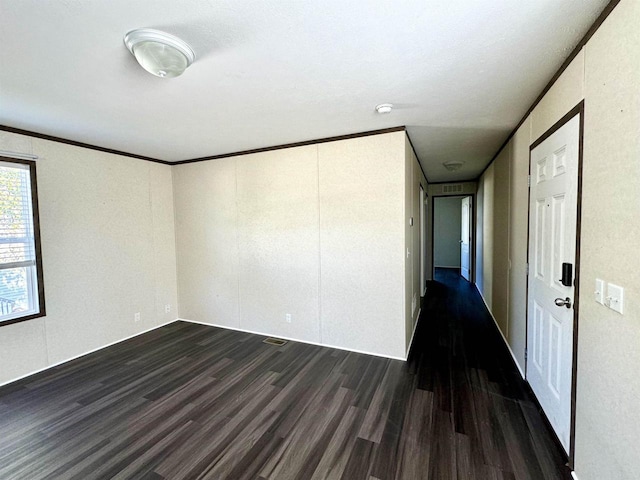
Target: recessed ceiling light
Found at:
384, 108
158, 52
453, 165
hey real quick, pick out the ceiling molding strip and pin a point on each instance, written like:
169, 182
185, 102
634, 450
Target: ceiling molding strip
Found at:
52, 138
418, 158
292, 145
574, 53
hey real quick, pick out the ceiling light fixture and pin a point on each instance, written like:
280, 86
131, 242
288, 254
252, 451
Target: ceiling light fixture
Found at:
384, 108
159, 53
453, 165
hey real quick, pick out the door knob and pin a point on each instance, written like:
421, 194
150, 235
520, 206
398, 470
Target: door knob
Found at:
560, 302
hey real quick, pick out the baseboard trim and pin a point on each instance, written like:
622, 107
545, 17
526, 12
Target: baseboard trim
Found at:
532, 394
546, 421
413, 334
265, 334
57, 364
513, 357
75, 357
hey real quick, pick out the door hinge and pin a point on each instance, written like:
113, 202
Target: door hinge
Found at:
527, 269
526, 354
529, 181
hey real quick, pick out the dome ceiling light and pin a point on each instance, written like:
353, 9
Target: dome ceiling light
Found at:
384, 108
158, 52
453, 165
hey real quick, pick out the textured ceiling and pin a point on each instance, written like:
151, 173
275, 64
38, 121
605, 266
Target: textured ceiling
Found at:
461, 73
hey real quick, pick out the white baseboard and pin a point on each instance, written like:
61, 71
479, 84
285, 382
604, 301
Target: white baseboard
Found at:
574, 476
53, 365
226, 327
448, 266
413, 334
501, 334
85, 353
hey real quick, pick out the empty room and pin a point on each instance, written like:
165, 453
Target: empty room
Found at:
331, 241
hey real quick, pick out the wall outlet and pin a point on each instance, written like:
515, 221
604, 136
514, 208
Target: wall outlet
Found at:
136, 317
287, 318
167, 308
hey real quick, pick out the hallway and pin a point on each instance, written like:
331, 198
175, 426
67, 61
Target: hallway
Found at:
193, 401
483, 417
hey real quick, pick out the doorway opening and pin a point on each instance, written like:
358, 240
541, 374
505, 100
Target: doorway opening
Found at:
423, 242
453, 234
553, 272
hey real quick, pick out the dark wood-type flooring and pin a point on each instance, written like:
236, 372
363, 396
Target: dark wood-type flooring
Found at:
196, 402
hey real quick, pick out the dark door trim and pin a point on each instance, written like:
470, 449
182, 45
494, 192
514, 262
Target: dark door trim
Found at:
577, 110
472, 253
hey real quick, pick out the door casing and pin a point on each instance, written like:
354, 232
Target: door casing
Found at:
577, 110
469, 244
472, 247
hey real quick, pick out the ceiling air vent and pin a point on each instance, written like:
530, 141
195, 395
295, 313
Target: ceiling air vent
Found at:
453, 188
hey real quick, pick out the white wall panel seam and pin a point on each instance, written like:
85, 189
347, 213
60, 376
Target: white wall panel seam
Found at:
237, 230
319, 246
175, 238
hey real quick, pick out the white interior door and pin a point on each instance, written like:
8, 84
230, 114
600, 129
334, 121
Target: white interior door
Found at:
552, 242
465, 238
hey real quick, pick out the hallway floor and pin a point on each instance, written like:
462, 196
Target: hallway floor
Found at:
197, 402
487, 424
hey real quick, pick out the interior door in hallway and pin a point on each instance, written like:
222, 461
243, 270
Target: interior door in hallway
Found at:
465, 238
553, 209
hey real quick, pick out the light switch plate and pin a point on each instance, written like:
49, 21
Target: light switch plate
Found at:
615, 297
599, 292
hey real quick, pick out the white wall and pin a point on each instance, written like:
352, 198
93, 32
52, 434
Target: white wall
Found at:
447, 218
206, 222
608, 412
362, 188
518, 227
480, 246
260, 235
492, 236
279, 242
315, 231
486, 229
606, 73
108, 251
500, 255
413, 288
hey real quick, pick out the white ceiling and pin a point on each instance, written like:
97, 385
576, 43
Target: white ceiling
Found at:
461, 73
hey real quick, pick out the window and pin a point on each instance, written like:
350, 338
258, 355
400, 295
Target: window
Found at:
21, 286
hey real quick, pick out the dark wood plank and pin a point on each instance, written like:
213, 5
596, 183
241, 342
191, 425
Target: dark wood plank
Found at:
359, 461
